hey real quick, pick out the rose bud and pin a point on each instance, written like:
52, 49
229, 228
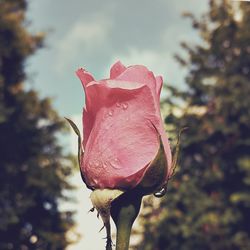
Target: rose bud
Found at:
126, 149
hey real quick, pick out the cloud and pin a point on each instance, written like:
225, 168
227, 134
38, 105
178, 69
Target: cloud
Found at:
84, 37
150, 58
159, 61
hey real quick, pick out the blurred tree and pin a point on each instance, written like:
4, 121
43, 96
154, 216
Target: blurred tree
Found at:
33, 168
208, 202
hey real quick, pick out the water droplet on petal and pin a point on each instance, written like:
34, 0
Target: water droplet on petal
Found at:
118, 104
115, 163
110, 112
95, 180
104, 165
124, 106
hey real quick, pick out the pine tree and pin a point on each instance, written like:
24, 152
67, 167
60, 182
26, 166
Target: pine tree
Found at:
208, 202
34, 169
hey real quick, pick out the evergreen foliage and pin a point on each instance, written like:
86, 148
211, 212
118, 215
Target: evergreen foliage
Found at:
34, 169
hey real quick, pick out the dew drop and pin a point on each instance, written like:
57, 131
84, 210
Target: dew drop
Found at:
115, 163
118, 104
161, 192
104, 165
124, 106
95, 180
110, 112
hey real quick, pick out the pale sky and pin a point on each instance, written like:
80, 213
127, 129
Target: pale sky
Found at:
94, 34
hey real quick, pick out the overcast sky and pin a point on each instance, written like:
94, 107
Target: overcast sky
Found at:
95, 34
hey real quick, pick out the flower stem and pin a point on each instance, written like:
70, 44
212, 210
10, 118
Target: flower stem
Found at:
124, 211
109, 240
124, 227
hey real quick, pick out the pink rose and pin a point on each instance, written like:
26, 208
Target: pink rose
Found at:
122, 127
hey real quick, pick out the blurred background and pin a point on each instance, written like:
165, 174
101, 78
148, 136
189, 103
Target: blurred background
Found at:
201, 48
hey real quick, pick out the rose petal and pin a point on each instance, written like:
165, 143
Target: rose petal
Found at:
123, 84
141, 74
127, 136
84, 76
100, 93
116, 70
121, 143
159, 83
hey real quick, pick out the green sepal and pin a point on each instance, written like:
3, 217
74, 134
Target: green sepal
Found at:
76, 130
101, 200
176, 153
162, 191
80, 151
155, 174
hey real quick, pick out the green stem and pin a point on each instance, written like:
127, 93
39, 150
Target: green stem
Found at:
124, 211
109, 240
124, 227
